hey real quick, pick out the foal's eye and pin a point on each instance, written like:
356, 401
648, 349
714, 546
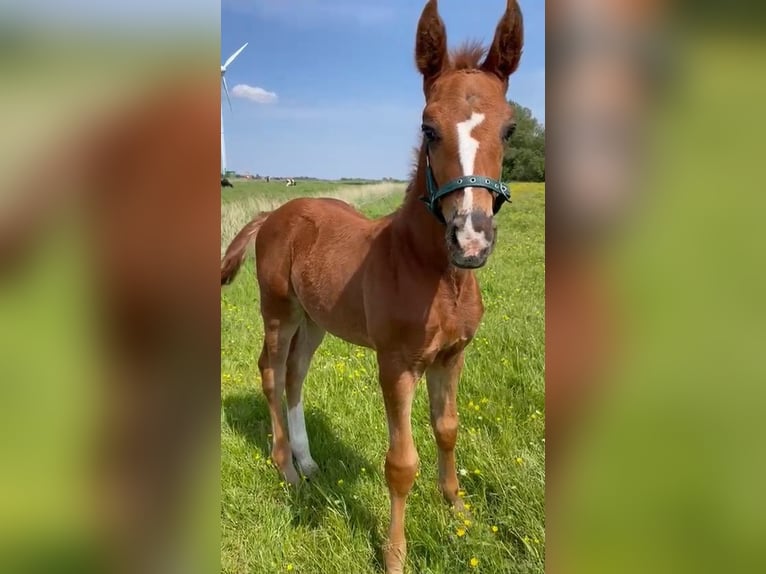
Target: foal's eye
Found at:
509, 131
429, 133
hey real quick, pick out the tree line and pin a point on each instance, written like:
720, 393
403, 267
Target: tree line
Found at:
524, 158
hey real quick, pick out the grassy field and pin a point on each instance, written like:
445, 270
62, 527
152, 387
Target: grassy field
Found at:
246, 189
336, 523
251, 196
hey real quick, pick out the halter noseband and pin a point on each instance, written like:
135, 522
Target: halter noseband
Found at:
434, 193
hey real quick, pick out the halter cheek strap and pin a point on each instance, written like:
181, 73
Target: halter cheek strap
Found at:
434, 193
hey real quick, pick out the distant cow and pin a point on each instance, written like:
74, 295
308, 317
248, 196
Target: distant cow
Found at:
226, 183
291, 182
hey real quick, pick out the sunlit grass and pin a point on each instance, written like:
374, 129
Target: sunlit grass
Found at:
238, 206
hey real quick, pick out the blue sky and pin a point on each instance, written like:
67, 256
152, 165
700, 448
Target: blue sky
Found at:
338, 94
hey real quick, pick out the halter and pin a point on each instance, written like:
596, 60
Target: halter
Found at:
434, 193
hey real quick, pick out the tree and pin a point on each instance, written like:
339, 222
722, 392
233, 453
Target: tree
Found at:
525, 150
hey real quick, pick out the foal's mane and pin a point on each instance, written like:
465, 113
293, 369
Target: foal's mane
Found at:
468, 56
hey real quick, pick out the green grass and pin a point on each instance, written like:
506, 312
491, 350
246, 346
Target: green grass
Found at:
337, 522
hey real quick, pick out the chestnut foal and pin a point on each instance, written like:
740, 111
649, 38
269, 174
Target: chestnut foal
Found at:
402, 284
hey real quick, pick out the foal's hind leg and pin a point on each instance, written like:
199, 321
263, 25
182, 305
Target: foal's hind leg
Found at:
442, 379
304, 344
273, 367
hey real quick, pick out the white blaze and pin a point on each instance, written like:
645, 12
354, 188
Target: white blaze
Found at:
470, 240
299, 440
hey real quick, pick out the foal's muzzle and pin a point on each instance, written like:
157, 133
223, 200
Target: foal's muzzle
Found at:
470, 239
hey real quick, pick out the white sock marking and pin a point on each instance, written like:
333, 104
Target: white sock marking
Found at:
299, 439
470, 240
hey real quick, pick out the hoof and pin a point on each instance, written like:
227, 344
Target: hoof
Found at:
291, 475
308, 468
454, 500
395, 555
458, 507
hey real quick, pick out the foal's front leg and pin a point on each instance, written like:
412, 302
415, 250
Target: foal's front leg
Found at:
442, 379
398, 385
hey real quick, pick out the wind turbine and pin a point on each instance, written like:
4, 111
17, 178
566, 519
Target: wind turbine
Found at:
226, 89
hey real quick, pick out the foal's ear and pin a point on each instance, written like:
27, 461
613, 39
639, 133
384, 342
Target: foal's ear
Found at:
504, 54
431, 44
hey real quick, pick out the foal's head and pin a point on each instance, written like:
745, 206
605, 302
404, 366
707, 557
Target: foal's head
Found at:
466, 121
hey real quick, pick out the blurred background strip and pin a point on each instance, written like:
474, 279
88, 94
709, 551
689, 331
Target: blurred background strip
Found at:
109, 314
654, 287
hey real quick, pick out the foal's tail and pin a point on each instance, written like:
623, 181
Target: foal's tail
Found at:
235, 253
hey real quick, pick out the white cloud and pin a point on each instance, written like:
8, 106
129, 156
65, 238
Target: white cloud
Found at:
253, 93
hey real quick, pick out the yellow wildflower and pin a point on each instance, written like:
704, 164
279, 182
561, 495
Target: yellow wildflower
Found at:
461, 493
494, 528
461, 532
474, 562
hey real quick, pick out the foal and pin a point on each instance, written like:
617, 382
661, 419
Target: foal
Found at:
402, 284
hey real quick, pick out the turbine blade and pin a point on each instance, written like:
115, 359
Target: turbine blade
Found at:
226, 89
234, 55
